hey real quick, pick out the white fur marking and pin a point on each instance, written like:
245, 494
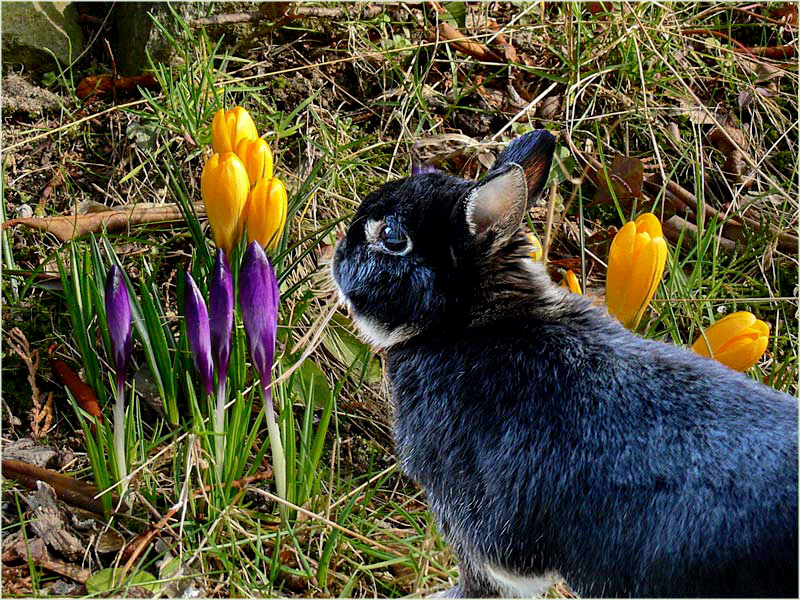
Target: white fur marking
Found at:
372, 229
518, 586
378, 335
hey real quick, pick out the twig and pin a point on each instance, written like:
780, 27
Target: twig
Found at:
147, 537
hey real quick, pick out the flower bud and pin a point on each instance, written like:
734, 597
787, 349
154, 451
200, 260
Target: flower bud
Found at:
118, 318
537, 252
225, 186
221, 313
259, 297
737, 341
635, 265
266, 212
571, 282
257, 158
197, 328
229, 127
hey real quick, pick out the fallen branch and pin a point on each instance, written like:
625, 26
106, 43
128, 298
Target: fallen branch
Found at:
731, 227
66, 228
677, 229
68, 489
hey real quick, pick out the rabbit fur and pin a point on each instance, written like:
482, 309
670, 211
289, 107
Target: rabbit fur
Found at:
549, 439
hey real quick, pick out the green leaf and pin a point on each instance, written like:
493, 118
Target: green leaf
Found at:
314, 388
106, 580
346, 348
458, 13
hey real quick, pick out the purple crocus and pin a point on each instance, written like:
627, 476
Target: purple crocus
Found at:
197, 327
118, 318
420, 168
221, 314
258, 297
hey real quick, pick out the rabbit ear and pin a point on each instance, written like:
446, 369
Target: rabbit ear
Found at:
534, 153
498, 203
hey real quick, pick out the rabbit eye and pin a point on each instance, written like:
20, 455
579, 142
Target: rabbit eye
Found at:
394, 239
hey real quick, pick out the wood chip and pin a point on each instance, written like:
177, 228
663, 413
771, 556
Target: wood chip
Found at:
49, 523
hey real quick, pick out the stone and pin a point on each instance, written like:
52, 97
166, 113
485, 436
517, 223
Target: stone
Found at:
35, 32
20, 95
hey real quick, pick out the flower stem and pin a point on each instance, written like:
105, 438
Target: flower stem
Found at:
278, 457
219, 427
119, 438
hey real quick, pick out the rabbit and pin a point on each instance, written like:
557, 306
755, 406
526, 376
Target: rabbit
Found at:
550, 440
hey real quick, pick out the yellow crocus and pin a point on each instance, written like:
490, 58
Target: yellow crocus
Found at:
737, 341
538, 252
257, 158
224, 187
230, 127
571, 282
635, 265
266, 212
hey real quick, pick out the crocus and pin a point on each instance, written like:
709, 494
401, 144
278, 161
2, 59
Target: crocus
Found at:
229, 127
221, 319
118, 318
571, 282
258, 297
420, 168
265, 212
225, 186
537, 252
635, 265
257, 158
737, 341
221, 313
197, 328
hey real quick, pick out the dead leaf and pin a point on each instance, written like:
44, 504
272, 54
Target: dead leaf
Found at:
37, 552
508, 48
107, 85
66, 228
462, 43
786, 12
84, 395
26, 450
732, 146
626, 177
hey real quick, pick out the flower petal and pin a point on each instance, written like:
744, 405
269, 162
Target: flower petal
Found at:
619, 268
743, 353
257, 158
197, 329
225, 186
118, 318
221, 309
259, 298
722, 331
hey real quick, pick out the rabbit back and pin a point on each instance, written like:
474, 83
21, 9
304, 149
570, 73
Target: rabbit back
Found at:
631, 467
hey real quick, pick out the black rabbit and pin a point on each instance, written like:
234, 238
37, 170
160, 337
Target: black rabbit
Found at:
551, 440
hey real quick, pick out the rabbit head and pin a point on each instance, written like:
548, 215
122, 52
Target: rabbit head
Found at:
421, 251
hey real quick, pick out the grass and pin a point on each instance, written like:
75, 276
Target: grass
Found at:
343, 104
